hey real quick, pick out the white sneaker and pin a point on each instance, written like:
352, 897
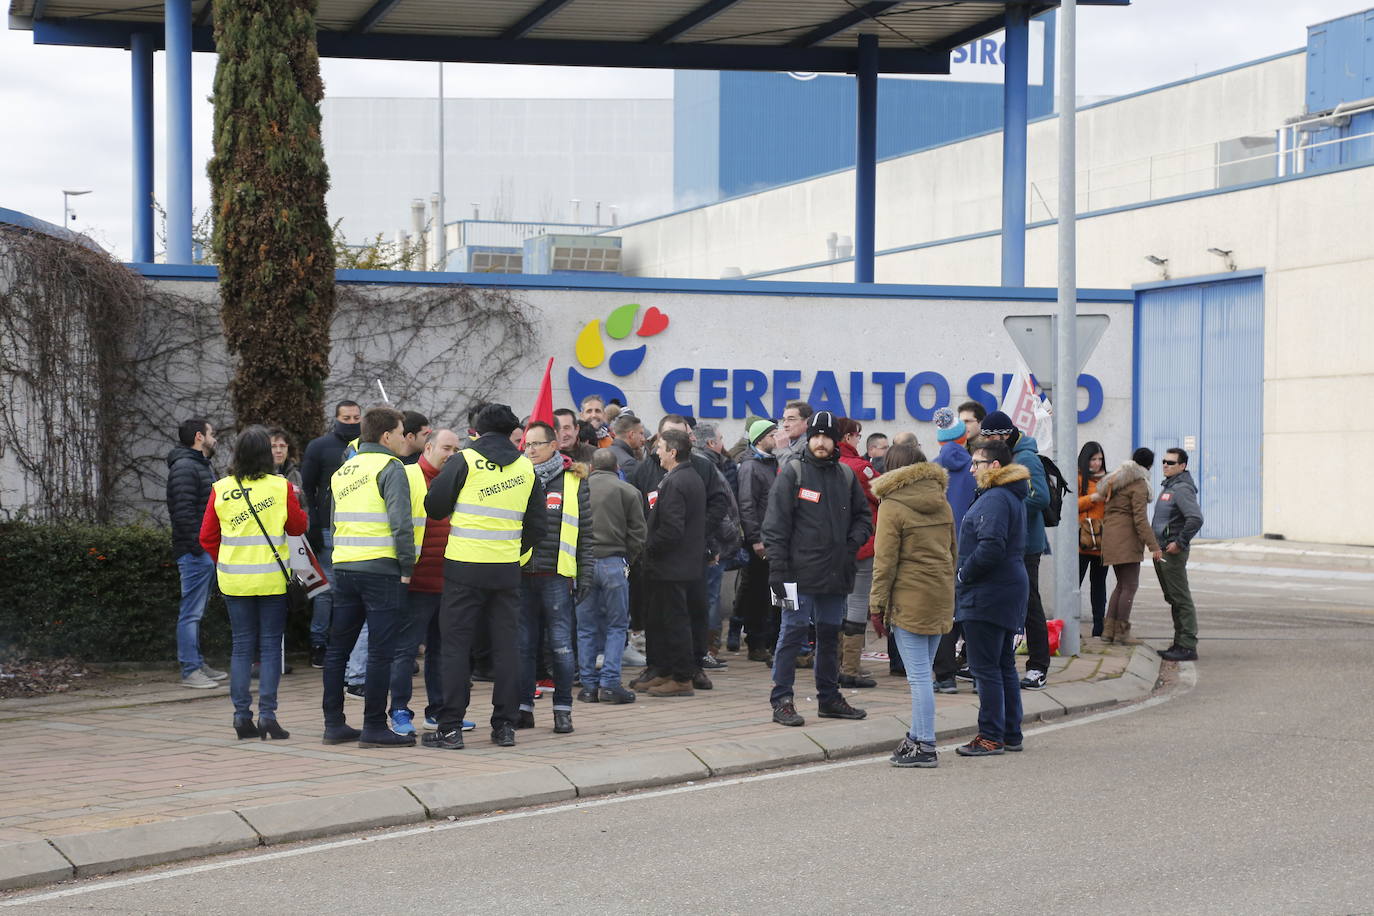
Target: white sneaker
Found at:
1034, 680
197, 680
632, 658
213, 674
637, 640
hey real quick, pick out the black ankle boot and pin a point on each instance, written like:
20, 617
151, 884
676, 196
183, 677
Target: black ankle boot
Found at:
243, 726
268, 728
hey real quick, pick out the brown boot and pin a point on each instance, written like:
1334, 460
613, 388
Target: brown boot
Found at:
1109, 630
851, 675
646, 686
1123, 634
672, 688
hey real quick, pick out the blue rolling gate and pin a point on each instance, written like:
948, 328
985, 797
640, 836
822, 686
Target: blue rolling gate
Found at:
1199, 384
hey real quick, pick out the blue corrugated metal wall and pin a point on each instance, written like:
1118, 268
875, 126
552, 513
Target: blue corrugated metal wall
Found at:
1340, 68
1200, 373
771, 129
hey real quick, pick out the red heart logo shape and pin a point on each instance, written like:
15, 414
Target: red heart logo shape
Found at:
654, 322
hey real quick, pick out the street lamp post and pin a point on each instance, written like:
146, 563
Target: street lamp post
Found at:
67, 213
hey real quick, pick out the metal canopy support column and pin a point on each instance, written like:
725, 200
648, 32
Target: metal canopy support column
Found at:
141, 85
1014, 93
866, 159
178, 25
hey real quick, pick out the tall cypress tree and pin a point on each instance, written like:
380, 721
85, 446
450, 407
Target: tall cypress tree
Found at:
272, 239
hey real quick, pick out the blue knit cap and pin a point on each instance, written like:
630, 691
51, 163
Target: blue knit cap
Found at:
948, 426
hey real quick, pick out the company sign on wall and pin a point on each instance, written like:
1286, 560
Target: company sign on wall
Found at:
980, 61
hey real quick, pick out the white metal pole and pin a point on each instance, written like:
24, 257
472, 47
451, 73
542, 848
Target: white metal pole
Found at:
1066, 337
441, 240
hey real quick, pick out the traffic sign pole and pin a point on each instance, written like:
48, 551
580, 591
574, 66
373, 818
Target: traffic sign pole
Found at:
1066, 368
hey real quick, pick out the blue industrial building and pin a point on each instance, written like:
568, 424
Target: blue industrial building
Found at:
736, 132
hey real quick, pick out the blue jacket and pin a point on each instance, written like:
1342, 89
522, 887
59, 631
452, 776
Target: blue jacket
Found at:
1026, 452
955, 459
991, 584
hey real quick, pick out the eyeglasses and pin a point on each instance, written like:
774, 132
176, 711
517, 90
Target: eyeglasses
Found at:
982, 461
1168, 464
530, 445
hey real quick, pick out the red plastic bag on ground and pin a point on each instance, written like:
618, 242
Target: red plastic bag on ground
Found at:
1056, 630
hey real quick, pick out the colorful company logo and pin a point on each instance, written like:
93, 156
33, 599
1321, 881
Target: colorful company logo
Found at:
591, 351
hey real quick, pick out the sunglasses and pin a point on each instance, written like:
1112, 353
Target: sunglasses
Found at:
1168, 464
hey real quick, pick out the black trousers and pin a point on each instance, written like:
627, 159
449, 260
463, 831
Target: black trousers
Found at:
1091, 563
754, 603
946, 664
463, 607
1037, 635
668, 631
699, 614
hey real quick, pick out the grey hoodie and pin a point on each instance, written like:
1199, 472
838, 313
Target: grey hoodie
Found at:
1178, 516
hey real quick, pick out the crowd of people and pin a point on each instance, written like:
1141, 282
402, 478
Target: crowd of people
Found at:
553, 556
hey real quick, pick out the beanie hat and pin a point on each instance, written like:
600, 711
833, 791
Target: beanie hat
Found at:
948, 426
822, 423
496, 418
758, 429
998, 424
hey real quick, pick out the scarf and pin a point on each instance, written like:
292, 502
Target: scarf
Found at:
548, 470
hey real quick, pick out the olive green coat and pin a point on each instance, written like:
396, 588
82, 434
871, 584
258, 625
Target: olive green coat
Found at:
915, 550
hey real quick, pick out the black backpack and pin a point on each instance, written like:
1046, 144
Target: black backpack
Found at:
1059, 488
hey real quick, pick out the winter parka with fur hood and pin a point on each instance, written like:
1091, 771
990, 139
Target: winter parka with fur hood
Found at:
915, 549
991, 584
1126, 532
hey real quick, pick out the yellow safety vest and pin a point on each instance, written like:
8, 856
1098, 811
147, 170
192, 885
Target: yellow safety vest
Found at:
247, 563
418, 489
490, 512
361, 529
569, 527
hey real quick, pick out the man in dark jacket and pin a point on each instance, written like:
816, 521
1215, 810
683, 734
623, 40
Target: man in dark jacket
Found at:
629, 442
818, 518
189, 479
1177, 518
647, 477
560, 565
1026, 452
990, 589
475, 491
758, 468
674, 546
708, 444
323, 456
603, 615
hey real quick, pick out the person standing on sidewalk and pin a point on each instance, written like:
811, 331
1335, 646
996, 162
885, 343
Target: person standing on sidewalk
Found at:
952, 433
991, 589
495, 506
423, 594
1092, 468
249, 515
323, 456
374, 556
758, 469
559, 568
998, 427
675, 543
818, 518
856, 606
189, 482
913, 582
1177, 519
603, 616
1126, 534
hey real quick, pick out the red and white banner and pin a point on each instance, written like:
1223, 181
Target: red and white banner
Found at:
1030, 411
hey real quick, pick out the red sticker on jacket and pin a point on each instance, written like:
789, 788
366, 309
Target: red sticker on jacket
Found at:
809, 495
553, 501
653, 498
1166, 496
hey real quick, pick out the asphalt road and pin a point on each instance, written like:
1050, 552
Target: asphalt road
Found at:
1248, 790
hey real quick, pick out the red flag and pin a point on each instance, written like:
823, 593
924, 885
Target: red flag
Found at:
543, 402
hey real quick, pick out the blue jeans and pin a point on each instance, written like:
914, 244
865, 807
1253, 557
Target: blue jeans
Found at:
993, 663
421, 625
197, 572
322, 605
355, 672
602, 620
918, 654
827, 611
546, 600
714, 574
257, 622
374, 599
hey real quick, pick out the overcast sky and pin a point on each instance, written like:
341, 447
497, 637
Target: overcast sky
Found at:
64, 112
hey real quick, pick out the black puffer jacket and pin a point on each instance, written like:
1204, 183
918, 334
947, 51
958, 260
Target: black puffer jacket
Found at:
818, 518
757, 472
189, 479
545, 556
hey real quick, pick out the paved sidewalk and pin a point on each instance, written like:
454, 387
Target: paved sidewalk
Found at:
154, 752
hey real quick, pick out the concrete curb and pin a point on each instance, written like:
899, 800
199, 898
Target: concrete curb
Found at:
44, 861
